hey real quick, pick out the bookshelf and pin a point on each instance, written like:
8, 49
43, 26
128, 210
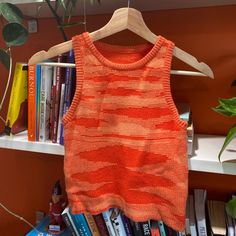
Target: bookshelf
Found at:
204, 159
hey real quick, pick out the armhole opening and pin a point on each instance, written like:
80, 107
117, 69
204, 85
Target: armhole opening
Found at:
167, 88
68, 116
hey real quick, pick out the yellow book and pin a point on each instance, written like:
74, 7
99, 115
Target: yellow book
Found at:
16, 120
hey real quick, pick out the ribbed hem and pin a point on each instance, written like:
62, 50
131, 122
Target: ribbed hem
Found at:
125, 49
167, 88
79, 80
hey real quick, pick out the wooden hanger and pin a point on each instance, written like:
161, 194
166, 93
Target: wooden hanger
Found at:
122, 19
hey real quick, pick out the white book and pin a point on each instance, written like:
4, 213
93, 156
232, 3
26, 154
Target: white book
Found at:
187, 219
117, 223
45, 101
60, 112
200, 209
192, 218
107, 218
230, 225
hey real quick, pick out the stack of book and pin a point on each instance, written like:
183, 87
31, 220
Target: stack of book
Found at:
204, 217
50, 93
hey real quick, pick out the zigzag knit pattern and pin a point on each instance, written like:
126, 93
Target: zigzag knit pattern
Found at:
125, 145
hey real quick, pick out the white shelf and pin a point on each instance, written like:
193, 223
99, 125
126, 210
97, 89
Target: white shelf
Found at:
20, 142
205, 156
30, 7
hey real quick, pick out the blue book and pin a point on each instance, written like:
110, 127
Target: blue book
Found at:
81, 224
42, 229
38, 91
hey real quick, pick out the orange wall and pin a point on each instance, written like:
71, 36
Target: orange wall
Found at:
209, 34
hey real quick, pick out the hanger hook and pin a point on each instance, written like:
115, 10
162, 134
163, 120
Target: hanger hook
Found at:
128, 3
85, 17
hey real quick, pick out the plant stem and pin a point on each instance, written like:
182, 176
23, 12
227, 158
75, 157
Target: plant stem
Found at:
57, 18
8, 82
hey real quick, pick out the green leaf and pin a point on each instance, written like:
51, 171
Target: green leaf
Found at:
230, 136
229, 104
14, 34
11, 12
231, 208
222, 111
5, 58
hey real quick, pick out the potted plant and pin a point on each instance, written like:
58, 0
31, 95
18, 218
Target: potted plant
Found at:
14, 34
227, 107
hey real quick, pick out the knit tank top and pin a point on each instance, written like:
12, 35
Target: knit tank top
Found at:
125, 145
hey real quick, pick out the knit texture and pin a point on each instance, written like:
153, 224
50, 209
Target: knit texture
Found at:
125, 145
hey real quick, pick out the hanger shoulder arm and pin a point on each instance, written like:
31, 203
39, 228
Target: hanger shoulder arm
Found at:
192, 61
52, 52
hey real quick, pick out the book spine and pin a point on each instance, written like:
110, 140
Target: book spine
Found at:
92, 224
38, 85
109, 225
136, 228
32, 103
45, 100
60, 113
161, 228
81, 224
60, 78
145, 227
192, 218
199, 203
101, 224
154, 228
17, 110
118, 225
69, 223
69, 86
126, 224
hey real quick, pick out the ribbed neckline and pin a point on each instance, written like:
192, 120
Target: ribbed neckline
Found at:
122, 49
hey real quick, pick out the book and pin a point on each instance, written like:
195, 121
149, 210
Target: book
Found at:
69, 222
81, 224
200, 210
41, 229
126, 223
107, 218
58, 80
154, 228
117, 222
59, 126
136, 228
92, 224
216, 214
229, 225
145, 228
190, 222
16, 120
38, 92
169, 231
70, 84
32, 102
45, 100
161, 228
101, 224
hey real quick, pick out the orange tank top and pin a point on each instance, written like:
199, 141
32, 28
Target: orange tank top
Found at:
125, 145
